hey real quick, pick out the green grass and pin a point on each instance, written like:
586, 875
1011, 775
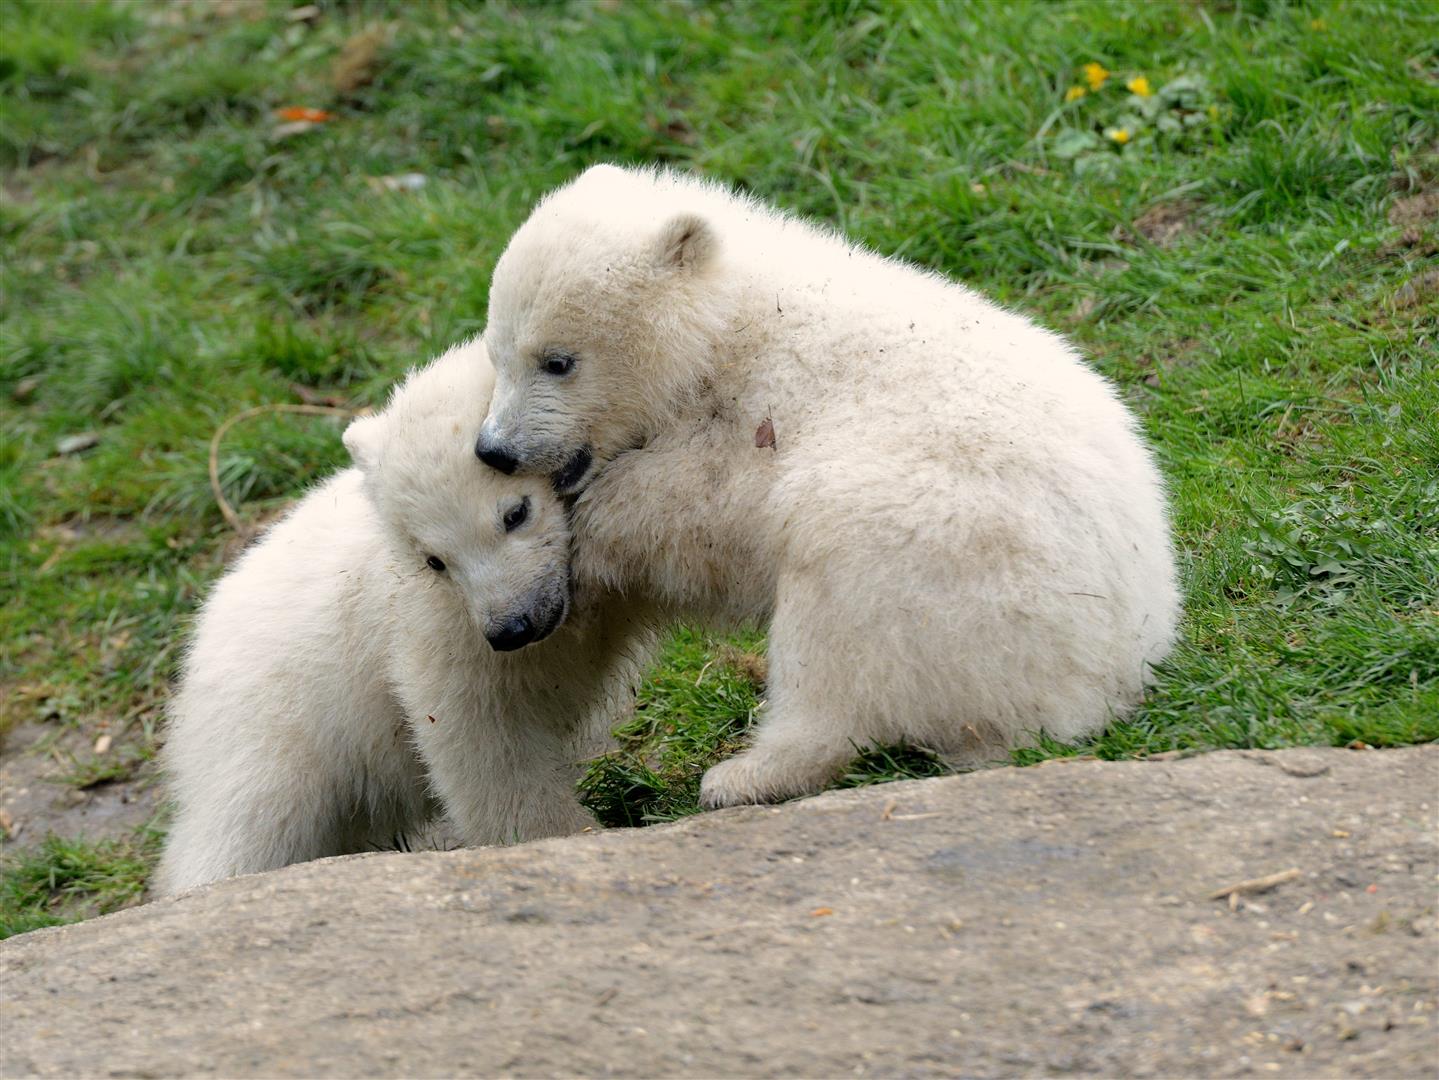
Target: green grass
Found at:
1250, 268
65, 880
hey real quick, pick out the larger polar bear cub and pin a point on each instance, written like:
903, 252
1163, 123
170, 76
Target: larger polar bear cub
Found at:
355, 673
949, 521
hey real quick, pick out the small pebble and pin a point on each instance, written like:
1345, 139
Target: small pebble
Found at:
410, 181
294, 127
75, 444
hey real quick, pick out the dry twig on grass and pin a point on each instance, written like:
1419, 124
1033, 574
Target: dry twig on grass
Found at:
232, 518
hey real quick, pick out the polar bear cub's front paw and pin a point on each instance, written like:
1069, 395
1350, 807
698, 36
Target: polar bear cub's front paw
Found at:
758, 777
732, 783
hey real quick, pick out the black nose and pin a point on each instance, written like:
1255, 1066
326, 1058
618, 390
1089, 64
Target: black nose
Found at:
516, 632
496, 457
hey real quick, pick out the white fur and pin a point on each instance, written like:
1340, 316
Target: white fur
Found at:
959, 537
338, 691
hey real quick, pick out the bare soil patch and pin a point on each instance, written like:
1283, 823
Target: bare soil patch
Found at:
38, 796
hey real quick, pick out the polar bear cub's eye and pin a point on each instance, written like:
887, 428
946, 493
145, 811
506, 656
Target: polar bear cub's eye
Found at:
515, 516
557, 363
435, 563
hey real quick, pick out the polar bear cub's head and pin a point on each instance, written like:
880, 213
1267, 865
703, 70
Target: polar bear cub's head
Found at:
602, 312
500, 544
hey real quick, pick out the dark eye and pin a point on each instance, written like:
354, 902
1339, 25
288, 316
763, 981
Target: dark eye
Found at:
558, 364
435, 563
516, 515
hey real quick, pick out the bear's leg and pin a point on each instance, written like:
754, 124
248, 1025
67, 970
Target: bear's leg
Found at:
252, 795
811, 726
260, 823
500, 780
786, 761
266, 823
798, 749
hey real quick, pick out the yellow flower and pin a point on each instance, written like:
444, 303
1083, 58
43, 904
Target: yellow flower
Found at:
1139, 85
1094, 74
1074, 93
1318, 24
1119, 135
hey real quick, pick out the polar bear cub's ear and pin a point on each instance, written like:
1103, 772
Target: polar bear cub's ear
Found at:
685, 242
362, 439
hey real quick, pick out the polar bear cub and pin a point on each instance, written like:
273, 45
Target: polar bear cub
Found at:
949, 522
355, 672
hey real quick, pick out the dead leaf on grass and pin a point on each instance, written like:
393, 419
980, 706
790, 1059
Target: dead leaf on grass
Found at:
677, 128
1163, 224
752, 667
1416, 291
311, 396
358, 60
1084, 307
1415, 209
297, 114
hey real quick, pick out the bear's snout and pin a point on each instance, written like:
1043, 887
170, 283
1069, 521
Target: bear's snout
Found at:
514, 633
496, 456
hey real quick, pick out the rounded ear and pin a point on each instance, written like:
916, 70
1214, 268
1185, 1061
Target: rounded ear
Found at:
603, 171
362, 439
686, 242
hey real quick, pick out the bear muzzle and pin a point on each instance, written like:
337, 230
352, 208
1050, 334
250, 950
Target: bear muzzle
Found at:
514, 633
496, 456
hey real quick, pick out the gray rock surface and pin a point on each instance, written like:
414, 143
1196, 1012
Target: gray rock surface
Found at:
1042, 921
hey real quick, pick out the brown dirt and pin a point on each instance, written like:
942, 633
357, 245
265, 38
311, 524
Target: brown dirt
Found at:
36, 798
1420, 289
1165, 223
1415, 209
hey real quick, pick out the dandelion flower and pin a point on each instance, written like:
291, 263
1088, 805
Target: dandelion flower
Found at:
1139, 85
1095, 75
1119, 135
1074, 93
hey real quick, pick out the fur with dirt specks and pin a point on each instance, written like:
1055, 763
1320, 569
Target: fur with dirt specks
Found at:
958, 539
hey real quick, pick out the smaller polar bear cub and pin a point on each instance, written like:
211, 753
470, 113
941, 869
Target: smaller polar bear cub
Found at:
356, 672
